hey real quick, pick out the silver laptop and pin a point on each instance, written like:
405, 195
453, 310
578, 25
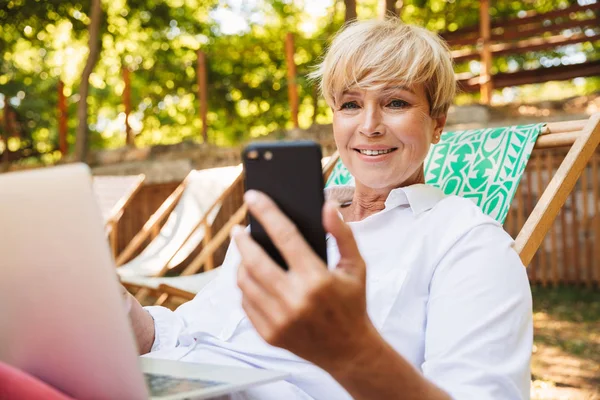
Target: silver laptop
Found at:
62, 317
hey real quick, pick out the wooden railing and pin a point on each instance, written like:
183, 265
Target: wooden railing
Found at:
512, 36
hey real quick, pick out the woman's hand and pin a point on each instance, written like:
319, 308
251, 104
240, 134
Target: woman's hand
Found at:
319, 315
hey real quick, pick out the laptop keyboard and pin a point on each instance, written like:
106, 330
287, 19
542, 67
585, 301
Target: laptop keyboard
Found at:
164, 385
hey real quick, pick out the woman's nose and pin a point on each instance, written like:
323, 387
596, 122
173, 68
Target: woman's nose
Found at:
371, 123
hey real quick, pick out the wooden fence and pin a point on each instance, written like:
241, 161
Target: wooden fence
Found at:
570, 253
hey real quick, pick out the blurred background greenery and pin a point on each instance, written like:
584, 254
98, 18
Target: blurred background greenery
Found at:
44, 41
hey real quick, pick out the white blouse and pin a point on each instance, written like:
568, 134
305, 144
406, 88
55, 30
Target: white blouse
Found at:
444, 287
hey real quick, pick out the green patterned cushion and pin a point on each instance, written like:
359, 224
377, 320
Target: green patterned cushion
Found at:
484, 165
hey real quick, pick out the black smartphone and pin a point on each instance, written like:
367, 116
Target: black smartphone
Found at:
289, 173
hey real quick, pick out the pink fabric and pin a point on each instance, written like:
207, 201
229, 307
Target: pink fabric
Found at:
18, 385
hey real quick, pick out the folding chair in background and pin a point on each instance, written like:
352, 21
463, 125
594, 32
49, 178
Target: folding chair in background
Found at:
200, 270
114, 194
189, 213
191, 280
485, 165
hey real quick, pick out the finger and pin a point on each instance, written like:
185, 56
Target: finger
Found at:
262, 269
264, 302
259, 320
349, 254
282, 231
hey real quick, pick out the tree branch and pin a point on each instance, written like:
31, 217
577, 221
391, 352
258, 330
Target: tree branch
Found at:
81, 143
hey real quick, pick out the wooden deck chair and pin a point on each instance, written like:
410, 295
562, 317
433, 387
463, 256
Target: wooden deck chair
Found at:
114, 193
189, 212
191, 280
582, 137
191, 277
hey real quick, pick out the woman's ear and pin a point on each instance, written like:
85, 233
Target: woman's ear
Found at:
439, 124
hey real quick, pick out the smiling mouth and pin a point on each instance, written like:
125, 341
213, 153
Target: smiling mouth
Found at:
375, 152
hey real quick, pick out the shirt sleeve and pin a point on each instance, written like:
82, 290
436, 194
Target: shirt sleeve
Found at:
479, 331
169, 325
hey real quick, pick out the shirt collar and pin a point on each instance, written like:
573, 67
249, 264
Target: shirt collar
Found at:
419, 197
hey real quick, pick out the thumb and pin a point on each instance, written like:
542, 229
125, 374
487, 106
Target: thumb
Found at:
350, 258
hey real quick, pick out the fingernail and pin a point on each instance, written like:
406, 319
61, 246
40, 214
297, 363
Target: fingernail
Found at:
332, 204
251, 197
236, 230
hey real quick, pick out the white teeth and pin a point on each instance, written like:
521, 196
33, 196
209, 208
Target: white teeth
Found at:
375, 152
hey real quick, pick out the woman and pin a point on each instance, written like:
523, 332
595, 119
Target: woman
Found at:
424, 296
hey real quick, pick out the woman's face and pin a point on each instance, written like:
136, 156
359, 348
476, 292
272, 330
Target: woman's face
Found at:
383, 135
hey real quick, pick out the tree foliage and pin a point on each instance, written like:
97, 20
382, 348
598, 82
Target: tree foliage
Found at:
44, 41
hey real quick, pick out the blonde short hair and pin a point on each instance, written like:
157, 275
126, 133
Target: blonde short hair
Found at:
375, 53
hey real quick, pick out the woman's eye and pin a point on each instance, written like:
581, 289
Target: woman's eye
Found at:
397, 104
349, 105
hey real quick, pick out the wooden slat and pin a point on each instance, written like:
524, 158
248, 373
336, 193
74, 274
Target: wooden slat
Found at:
210, 261
143, 205
539, 75
539, 17
530, 201
520, 209
117, 211
219, 238
529, 30
554, 140
563, 126
523, 46
585, 259
565, 254
595, 196
542, 247
153, 223
560, 186
575, 237
515, 21
540, 43
553, 250
173, 291
111, 233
